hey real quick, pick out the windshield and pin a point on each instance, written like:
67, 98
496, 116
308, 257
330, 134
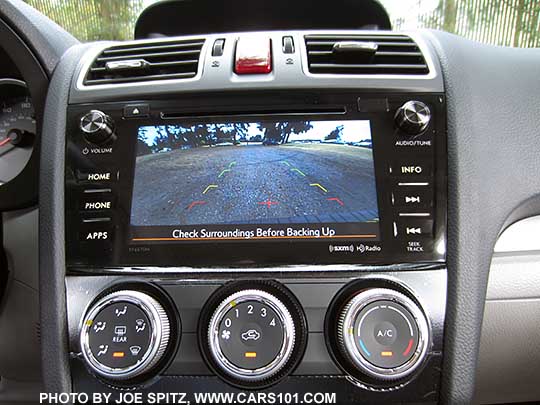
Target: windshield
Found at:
499, 22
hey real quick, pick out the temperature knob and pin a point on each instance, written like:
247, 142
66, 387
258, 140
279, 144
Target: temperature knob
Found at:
383, 334
124, 335
254, 333
413, 117
97, 127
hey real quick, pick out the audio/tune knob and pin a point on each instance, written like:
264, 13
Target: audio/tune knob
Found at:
383, 334
251, 336
124, 335
97, 127
413, 117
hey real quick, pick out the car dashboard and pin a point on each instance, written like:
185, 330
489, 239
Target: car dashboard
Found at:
286, 215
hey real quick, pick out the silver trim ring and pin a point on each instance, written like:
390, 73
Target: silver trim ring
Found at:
159, 338
101, 125
288, 335
413, 106
347, 340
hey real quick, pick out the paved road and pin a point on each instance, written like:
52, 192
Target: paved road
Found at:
294, 183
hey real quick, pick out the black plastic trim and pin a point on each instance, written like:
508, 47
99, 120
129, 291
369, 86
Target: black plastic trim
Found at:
52, 266
493, 156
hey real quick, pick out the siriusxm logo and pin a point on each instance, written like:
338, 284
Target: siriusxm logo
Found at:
340, 248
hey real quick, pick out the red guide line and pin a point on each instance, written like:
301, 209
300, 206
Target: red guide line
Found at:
194, 203
336, 200
409, 347
268, 203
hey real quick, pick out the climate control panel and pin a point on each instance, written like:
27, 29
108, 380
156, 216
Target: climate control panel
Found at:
124, 335
251, 335
378, 335
254, 335
383, 334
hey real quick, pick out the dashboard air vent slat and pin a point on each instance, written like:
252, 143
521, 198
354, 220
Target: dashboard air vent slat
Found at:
144, 62
372, 55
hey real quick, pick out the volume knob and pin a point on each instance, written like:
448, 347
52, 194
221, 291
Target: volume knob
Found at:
97, 127
413, 117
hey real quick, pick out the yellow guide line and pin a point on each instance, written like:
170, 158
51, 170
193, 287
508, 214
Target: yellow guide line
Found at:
211, 186
318, 185
223, 172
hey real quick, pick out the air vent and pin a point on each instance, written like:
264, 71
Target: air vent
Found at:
146, 61
377, 54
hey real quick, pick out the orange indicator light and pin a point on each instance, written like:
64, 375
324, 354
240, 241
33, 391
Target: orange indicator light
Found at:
118, 354
387, 354
250, 355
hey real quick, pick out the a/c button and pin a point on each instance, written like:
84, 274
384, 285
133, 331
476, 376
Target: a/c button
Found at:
385, 333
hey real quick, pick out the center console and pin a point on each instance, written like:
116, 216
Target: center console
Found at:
258, 212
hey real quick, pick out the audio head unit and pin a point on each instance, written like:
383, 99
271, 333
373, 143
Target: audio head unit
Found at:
277, 178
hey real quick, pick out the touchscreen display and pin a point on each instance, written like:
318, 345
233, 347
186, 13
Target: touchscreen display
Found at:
255, 180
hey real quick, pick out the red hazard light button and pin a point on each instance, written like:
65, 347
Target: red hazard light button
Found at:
253, 56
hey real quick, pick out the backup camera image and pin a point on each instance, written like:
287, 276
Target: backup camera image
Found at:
228, 180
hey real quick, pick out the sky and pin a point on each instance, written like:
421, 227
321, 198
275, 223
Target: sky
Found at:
353, 131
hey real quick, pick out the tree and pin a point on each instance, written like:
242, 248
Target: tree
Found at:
164, 139
335, 135
450, 15
499, 22
504, 22
91, 20
280, 131
142, 146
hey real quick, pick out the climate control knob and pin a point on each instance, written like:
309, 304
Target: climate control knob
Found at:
97, 127
124, 335
254, 337
383, 334
413, 117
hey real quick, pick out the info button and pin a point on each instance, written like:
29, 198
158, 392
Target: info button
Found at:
410, 169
